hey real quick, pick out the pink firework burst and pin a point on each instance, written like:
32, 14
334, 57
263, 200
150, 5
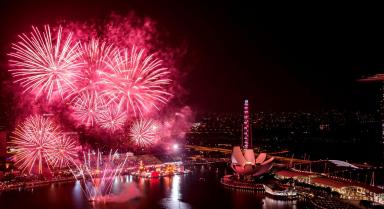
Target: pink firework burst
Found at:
35, 142
87, 108
64, 152
145, 133
136, 83
94, 54
112, 119
45, 64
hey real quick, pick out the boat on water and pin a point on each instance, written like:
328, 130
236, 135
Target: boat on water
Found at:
280, 192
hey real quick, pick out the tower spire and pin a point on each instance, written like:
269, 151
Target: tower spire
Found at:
247, 140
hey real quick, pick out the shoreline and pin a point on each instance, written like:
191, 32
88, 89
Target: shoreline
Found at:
34, 184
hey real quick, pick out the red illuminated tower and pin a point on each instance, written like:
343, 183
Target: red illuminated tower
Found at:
380, 79
247, 137
244, 162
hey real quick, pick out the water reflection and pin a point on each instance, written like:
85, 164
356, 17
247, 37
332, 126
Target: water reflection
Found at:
116, 185
199, 190
272, 203
77, 195
174, 199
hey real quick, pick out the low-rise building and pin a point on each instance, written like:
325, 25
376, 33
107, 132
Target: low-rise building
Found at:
347, 189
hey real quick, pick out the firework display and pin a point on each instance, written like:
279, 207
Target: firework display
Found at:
103, 85
97, 173
136, 82
64, 152
96, 84
93, 82
44, 64
87, 108
39, 142
94, 55
145, 132
112, 119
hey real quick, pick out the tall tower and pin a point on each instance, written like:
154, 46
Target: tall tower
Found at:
247, 138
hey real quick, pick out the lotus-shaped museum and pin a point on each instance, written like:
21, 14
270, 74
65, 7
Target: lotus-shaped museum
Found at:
244, 162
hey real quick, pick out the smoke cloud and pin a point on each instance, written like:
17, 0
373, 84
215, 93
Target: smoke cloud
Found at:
128, 192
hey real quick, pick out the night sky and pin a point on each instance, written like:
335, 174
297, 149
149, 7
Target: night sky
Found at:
281, 57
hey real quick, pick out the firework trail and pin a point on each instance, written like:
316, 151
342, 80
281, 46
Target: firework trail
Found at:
35, 142
112, 119
145, 132
97, 173
45, 65
136, 83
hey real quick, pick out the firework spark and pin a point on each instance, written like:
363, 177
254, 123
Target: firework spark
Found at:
135, 82
45, 65
35, 142
87, 108
64, 152
94, 54
112, 119
145, 133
